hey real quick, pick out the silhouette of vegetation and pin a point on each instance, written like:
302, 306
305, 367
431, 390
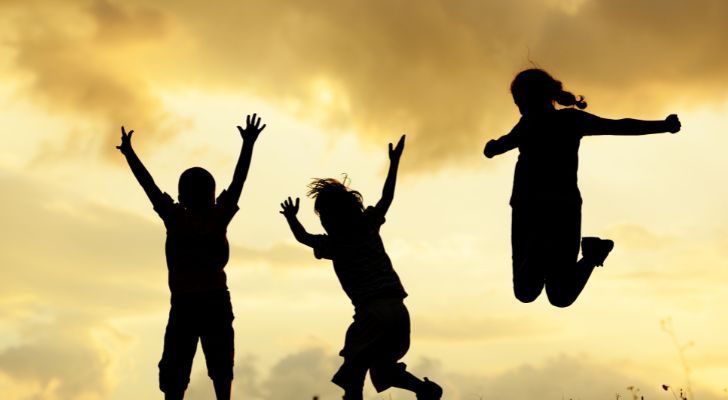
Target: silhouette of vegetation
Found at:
666, 326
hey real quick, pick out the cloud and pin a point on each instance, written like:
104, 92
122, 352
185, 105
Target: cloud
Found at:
115, 23
77, 254
642, 47
307, 372
438, 71
639, 238
559, 377
283, 255
468, 328
61, 358
245, 383
302, 374
79, 62
662, 258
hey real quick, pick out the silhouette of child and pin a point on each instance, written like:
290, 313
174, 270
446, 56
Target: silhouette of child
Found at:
546, 203
379, 335
197, 250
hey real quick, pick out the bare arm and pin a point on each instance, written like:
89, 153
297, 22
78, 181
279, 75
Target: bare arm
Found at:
630, 127
137, 168
503, 144
249, 135
289, 210
395, 153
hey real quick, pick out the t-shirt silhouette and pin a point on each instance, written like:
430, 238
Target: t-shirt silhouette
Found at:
361, 263
197, 248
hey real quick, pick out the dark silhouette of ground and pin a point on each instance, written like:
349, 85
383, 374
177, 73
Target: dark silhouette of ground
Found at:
546, 203
197, 250
380, 334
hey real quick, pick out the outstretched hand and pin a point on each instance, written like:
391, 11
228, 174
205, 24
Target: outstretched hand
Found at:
673, 123
252, 128
396, 152
289, 208
125, 145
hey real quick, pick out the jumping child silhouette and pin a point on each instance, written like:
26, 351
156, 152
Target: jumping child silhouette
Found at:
545, 202
380, 333
197, 250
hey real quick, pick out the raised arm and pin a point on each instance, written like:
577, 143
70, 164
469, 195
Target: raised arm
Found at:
395, 153
629, 127
249, 135
503, 144
138, 169
289, 209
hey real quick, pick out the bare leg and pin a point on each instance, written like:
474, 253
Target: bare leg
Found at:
174, 395
564, 288
395, 375
425, 390
528, 269
222, 389
407, 381
350, 377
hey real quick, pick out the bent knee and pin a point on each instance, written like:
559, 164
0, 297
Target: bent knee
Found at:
527, 293
385, 374
560, 300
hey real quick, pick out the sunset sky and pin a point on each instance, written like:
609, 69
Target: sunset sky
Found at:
83, 293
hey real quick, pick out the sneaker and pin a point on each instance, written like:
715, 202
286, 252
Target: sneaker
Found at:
429, 391
596, 250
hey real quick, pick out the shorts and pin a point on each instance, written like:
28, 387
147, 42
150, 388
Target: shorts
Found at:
207, 317
375, 341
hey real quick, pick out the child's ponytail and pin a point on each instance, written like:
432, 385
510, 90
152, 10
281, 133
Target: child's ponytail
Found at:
567, 99
532, 88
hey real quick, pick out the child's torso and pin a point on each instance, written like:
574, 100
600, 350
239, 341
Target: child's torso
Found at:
361, 262
197, 250
548, 160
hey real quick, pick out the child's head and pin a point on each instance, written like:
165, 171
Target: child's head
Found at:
338, 206
534, 89
196, 188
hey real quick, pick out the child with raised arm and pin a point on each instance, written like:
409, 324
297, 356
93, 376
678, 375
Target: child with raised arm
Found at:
380, 334
546, 202
197, 251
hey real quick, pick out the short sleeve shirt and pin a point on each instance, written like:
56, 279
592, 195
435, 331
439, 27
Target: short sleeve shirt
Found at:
197, 249
361, 263
548, 144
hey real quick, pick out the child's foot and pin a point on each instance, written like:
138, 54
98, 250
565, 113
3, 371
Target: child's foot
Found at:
429, 391
595, 250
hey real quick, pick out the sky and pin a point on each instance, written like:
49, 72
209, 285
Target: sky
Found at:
83, 294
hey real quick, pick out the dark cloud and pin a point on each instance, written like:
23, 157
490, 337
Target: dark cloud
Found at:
635, 52
438, 71
91, 76
115, 23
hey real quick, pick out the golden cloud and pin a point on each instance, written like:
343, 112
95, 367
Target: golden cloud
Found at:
438, 70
